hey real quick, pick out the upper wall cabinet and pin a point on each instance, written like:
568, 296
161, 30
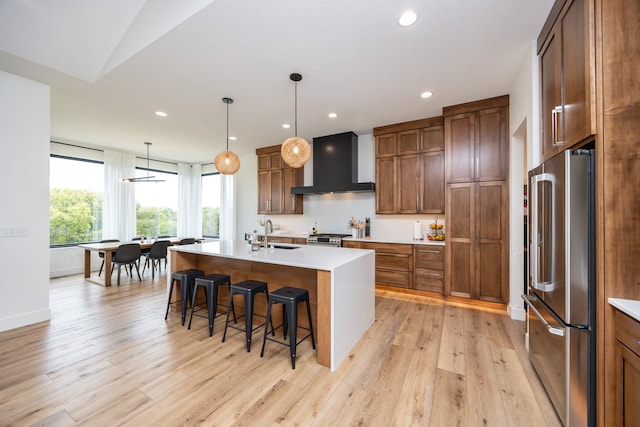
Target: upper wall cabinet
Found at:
275, 179
567, 69
476, 140
410, 167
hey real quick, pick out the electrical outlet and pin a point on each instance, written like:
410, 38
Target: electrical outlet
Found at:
14, 231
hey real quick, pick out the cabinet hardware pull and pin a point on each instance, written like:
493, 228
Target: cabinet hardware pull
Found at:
428, 251
555, 124
430, 274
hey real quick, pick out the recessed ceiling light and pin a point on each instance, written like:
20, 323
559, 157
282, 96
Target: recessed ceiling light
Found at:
333, 115
426, 94
407, 18
286, 126
161, 114
232, 138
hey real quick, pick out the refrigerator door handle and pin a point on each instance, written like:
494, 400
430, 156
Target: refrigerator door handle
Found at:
551, 329
538, 242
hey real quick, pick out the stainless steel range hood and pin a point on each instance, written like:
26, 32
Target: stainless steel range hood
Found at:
335, 166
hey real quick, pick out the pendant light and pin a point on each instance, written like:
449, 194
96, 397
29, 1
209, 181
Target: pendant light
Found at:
295, 151
226, 161
144, 178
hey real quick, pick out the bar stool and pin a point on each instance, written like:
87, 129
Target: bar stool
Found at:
210, 283
289, 297
186, 279
248, 289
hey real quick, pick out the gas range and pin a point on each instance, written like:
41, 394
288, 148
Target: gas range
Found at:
326, 239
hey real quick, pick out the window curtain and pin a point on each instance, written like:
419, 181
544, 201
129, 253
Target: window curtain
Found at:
119, 205
228, 208
189, 200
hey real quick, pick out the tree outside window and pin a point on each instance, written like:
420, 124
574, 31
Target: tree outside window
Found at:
211, 196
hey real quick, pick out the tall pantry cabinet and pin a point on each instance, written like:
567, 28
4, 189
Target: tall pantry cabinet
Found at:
477, 204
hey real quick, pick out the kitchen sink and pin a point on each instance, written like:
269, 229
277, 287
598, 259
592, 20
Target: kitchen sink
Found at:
285, 247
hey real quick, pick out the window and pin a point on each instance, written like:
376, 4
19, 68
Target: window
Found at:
75, 200
156, 204
211, 190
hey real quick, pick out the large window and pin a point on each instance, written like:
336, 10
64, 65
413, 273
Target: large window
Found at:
156, 204
211, 191
75, 206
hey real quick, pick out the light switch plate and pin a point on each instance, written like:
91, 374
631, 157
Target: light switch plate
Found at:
14, 231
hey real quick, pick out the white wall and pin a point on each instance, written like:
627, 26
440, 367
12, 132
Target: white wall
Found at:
330, 211
523, 102
24, 194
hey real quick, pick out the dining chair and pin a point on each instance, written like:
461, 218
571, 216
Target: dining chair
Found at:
157, 253
101, 254
127, 255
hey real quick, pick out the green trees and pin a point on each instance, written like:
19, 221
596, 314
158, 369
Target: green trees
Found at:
74, 216
154, 221
210, 221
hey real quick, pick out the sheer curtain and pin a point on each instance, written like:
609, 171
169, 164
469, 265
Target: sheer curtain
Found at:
190, 200
228, 208
119, 207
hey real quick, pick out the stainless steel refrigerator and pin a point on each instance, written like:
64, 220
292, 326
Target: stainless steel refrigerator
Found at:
561, 294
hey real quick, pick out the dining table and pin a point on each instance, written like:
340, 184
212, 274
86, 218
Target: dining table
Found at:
108, 248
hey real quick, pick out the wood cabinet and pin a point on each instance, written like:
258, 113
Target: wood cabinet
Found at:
476, 140
477, 203
275, 179
428, 268
567, 76
394, 262
627, 370
410, 167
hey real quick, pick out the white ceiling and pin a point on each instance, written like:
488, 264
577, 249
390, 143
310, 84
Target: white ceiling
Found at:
112, 63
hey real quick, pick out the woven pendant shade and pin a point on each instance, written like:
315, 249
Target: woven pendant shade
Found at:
227, 162
295, 151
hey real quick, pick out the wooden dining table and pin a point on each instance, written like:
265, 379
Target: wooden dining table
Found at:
107, 249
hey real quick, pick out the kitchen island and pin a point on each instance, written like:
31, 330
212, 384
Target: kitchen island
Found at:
340, 281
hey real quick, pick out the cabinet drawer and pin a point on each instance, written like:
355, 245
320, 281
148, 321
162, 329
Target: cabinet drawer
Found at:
431, 257
398, 262
627, 331
393, 278
280, 239
391, 248
429, 280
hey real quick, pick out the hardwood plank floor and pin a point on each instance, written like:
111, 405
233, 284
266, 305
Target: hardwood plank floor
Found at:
108, 357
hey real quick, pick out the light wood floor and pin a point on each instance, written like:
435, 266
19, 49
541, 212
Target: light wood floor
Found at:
108, 357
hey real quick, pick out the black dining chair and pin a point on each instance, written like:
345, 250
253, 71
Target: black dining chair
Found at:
157, 253
187, 241
101, 254
127, 255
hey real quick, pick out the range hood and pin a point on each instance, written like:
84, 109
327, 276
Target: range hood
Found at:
335, 166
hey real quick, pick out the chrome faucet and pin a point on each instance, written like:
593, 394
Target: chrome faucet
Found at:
268, 228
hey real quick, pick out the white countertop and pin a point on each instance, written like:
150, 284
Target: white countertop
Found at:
397, 240
627, 306
315, 257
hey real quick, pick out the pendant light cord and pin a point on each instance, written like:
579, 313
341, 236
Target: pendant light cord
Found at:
227, 126
295, 120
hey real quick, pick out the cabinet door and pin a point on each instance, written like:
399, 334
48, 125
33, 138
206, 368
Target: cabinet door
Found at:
551, 91
432, 185
627, 396
386, 185
459, 259
386, 145
292, 203
276, 189
460, 141
491, 144
408, 142
491, 258
408, 183
578, 66
264, 196
432, 139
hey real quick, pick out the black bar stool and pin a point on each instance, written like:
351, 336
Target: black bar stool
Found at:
289, 297
210, 283
248, 289
186, 279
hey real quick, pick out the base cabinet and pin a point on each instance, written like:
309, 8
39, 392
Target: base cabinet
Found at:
627, 355
428, 268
